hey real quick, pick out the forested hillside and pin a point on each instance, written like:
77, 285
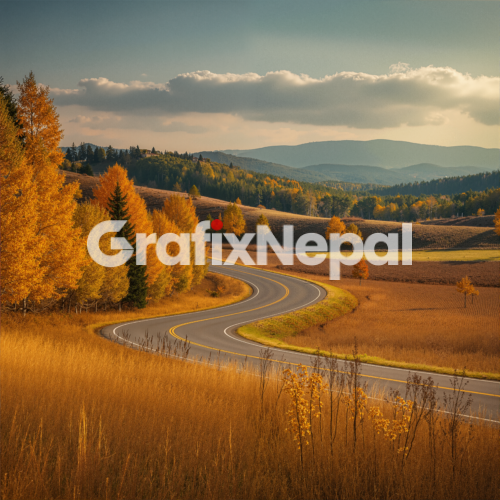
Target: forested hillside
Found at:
446, 186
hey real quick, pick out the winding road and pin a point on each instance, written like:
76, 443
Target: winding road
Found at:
212, 336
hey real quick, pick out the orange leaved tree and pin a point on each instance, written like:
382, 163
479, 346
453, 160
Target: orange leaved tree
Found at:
20, 249
233, 220
465, 286
334, 226
497, 222
360, 270
136, 207
63, 258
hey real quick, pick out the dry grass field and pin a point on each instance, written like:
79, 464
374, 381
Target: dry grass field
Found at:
83, 418
413, 323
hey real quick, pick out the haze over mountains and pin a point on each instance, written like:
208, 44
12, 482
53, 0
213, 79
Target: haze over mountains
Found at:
377, 153
372, 162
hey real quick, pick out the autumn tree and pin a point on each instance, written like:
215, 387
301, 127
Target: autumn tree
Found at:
40, 121
20, 249
334, 226
194, 191
64, 251
99, 284
262, 221
480, 212
233, 220
360, 270
352, 228
465, 286
136, 207
238, 201
180, 210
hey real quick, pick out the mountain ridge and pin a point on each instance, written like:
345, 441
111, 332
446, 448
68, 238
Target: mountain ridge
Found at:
382, 153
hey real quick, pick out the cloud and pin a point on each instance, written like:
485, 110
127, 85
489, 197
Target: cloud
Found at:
405, 96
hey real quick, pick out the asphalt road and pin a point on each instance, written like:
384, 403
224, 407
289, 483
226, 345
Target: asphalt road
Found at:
212, 336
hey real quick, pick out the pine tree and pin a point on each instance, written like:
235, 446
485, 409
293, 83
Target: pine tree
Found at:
136, 208
10, 102
73, 152
82, 152
138, 288
89, 154
497, 222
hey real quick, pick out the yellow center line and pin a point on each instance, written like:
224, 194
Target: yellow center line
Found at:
172, 332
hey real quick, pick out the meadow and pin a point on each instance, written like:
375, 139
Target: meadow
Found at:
439, 255
84, 418
406, 323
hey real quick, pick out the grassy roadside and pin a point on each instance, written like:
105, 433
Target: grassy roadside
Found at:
272, 331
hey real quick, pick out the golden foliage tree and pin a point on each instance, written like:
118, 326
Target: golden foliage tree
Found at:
360, 271
20, 249
137, 210
238, 201
497, 222
334, 226
465, 286
352, 228
40, 121
233, 220
181, 211
98, 283
262, 221
64, 251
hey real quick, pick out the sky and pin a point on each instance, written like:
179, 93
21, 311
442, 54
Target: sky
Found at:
213, 75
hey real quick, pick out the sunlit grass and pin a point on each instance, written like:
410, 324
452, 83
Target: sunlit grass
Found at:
438, 255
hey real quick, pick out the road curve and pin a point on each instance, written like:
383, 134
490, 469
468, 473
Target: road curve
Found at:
212, 335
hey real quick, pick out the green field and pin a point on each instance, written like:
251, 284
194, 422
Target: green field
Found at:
444, 255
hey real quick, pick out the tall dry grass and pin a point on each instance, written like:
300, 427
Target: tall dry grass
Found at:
83, 418
413, 323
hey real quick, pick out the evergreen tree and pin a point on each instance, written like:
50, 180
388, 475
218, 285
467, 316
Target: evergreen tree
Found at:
110, 153
136, 274
82, 152
10, 102
89, 154
87, 169
153, 151
74, 152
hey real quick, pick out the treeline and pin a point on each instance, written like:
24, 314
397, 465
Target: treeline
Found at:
216, 180
407, 208
444, 186
44, 260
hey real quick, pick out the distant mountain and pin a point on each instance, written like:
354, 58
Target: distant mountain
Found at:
379, 153
427, 171
265, 167
376, 175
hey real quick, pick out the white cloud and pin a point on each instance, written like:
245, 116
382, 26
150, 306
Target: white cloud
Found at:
405, 96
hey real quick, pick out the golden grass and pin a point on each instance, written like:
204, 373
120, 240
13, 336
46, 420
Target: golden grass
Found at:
83, 418
444, 255
416, 325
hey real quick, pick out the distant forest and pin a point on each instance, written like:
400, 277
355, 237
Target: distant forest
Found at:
448, 185
477, 194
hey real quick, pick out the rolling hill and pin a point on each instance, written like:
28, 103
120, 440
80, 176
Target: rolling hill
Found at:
378, 153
